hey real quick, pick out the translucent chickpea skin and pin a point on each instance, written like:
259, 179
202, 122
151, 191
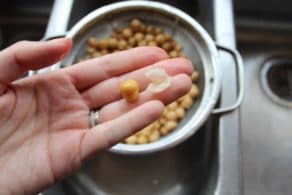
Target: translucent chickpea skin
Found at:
130, 90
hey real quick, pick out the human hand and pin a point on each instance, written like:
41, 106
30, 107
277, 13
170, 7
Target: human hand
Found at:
44, 124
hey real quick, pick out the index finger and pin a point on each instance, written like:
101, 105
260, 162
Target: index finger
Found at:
88, 73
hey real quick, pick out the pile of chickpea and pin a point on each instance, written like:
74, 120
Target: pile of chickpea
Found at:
139, 34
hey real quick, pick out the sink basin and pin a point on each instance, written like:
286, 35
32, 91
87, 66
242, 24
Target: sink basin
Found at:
207, 163
29, 18
264, 40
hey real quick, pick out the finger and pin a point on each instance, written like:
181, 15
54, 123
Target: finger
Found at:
95, 97
28, 55
87, 73
180, 85
109, 133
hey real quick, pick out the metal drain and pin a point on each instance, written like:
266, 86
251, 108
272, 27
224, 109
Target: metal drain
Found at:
276, 77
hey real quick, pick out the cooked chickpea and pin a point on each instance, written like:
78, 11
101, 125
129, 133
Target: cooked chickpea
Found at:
102, 44
187, 102
150, 29
142, 139
152, 43
122, 44
127, 33
92, 42
164, 131
167, 46
162, 121
142, 43
104, 52
96, 54
173, 54
112, 43
149, 37
178, 47
180, 113
136, 25
131, 140
170, 125
139, 36
172, 106
164, 112
90, 50
132, 41
154, 136
146, 131
171, 115
195, 76
130, 90
194, 92
160, 39
168, 37
156, 125
158, 30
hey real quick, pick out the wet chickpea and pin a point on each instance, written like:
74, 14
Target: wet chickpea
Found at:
167, 46
132, 41
164, 112
139, 36
131, 140
194, 92
92, 42
168, 37
149, 37
187, 102
142, 139
150, 29
171, 115
160, 39
180, 113
178, 47
130, 90
154, 136
90, 50
104, 52
127, 33
136, 25
158, 30
170, 125
172, 106
152, 43
142, 43
195, 76
96, 54
122, 44
163, 131
162, 121
173, 54
112, 43
146, 131
102, 44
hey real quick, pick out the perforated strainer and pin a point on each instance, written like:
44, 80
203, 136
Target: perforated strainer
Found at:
197, 45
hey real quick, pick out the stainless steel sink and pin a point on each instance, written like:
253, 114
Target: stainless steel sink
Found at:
23, 20
208, 163
265, 42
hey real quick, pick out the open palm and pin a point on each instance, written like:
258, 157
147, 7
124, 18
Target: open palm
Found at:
44, 124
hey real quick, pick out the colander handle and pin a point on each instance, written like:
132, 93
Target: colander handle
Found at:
240, 80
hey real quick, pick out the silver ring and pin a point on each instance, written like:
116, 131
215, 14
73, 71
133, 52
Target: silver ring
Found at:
94, 118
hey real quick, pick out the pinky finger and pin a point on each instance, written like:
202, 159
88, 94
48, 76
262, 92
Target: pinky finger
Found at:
112, 132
